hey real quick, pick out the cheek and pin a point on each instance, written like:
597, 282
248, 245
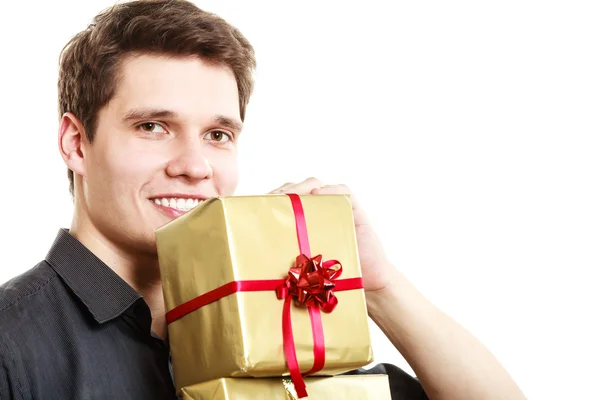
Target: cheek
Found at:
121, 165
225, 174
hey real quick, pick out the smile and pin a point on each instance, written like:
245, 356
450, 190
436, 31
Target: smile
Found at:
175, 203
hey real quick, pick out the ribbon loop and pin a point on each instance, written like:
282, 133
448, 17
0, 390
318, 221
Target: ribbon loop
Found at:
282, 291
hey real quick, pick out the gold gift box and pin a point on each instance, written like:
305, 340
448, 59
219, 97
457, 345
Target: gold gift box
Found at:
237, 238
363, 387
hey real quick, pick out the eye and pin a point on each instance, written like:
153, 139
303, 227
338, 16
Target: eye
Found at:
218, 136
152, 127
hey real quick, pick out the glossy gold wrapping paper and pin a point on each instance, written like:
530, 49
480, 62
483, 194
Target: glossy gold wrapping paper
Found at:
248, 238
359, 387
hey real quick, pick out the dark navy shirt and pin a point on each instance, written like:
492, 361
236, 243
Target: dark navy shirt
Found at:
71, 328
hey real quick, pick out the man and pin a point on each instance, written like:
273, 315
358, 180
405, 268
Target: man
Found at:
152, 98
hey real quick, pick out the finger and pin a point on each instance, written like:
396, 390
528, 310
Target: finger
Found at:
303, 187
306, 186
332, 189
283, 187
360, 216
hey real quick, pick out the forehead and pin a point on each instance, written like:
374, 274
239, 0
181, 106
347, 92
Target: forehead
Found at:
186, 85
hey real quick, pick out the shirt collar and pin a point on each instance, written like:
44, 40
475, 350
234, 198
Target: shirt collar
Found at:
104, 293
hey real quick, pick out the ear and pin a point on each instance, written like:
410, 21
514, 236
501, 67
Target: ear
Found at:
71, 143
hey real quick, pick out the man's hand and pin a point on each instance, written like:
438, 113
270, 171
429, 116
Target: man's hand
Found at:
376, 268
450, 363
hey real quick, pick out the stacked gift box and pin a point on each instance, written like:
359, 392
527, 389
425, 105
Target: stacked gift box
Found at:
265, 296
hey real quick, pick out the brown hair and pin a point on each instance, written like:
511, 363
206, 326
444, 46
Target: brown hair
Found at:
90, 61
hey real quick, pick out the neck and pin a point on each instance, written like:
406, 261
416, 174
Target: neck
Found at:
140, 270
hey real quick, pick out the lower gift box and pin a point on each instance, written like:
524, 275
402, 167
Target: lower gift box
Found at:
347, 387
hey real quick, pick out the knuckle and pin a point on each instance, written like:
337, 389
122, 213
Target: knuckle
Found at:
314, 180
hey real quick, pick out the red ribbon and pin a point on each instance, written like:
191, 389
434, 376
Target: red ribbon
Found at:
310, 282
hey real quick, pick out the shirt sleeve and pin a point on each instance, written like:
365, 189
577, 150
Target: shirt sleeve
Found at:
9, 378
402, 385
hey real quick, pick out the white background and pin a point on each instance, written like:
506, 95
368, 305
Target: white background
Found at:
469, 131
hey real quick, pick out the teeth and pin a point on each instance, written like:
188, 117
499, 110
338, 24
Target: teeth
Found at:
177, 203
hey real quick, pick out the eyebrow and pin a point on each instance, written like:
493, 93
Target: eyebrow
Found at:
154, 113
230, 123
148, 113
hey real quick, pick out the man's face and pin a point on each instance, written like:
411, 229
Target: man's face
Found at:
167, 139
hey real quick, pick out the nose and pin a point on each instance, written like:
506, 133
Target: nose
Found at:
189, 162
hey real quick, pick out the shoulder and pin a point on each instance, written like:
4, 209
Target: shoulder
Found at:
21, 288
22, 300
25, 297
402, 385
24, 304
17, 309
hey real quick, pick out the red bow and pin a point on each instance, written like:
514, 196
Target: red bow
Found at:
310, 282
